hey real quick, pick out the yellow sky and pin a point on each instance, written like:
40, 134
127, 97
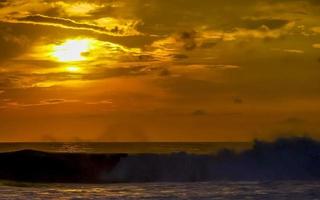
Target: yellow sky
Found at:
159, 70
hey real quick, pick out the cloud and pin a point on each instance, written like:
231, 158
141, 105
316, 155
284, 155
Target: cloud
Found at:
12, 44
70, 24
188, 54
102, 102
56, 101
188, 40
180, 56
7, 81
60, 21
199, 112
294, 121
121, 27
25, 80
117, 72
35, 102
46, 102
68, 15
173, 45
200, 41
238, 100
316, 46
165, 72
77, 9
221, 66
262, 32
256, 23
316, 29
295, 51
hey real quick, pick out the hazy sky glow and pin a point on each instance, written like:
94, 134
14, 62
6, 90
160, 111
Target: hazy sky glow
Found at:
158, 70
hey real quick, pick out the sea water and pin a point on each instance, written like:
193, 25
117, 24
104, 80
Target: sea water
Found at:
127, 147
215, 190
165, 191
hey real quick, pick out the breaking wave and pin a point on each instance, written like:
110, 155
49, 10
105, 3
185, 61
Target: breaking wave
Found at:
284, 159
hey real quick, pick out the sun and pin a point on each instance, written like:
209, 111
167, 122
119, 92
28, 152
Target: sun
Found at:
72, 50
72, 69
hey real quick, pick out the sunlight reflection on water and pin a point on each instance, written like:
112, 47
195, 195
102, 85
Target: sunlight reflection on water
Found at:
209, 190
197, 148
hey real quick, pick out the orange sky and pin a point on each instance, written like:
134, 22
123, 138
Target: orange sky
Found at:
159, 70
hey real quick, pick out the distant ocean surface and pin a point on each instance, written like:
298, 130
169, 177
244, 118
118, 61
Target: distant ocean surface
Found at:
165, 191
130, 148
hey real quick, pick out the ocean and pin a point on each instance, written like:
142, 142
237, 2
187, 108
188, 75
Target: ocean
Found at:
290, 190
161, 171
127, 147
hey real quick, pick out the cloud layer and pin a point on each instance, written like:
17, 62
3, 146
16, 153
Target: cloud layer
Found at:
159, 70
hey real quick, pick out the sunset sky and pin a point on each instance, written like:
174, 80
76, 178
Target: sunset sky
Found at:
159, 70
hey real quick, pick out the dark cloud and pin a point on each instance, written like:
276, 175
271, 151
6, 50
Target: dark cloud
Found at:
145, 57
188, 13
12, 44
222, 66
188, 38
116, 72
180, 56
3, 3
5, 83
208, 44
293, 121
165, 72
270, 23
54, 101
315, 2
237, 100
199, 113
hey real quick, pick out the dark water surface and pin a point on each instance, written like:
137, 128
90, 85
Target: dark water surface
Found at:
289, 190
134, 148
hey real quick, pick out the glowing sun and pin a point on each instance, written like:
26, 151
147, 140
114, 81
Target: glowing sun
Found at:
73, 69
72, 50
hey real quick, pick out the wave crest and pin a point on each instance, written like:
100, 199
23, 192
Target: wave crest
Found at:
284, 159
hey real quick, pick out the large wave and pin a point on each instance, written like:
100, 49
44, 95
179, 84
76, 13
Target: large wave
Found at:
284, 159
